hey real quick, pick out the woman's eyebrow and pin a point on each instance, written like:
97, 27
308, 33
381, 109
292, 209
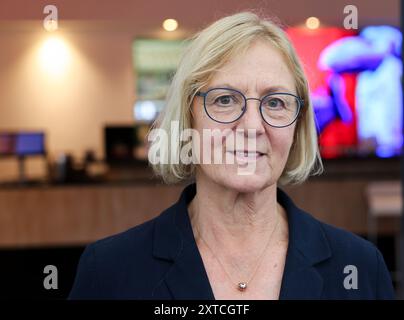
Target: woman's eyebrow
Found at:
268, 89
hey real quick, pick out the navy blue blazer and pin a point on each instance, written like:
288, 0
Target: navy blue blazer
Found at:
159, 259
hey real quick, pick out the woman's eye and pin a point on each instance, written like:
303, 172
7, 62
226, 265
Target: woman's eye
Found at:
225, 100
275, 103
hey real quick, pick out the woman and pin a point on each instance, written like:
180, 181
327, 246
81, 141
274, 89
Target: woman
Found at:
233, 234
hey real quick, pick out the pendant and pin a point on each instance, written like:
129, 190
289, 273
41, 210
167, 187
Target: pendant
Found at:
242, 286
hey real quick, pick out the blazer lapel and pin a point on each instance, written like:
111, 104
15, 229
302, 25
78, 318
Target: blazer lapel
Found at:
174, 241
300, 279
308, 246
187, 277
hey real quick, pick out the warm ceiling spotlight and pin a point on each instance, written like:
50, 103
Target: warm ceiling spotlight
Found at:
54, 55
312, 23
170, 24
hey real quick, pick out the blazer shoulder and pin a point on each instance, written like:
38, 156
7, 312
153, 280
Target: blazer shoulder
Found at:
126, 240
137, 237
346, 240
350, 250
117, 266
343, 244
340, 241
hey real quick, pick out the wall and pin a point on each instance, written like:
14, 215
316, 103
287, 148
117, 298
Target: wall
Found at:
98, 86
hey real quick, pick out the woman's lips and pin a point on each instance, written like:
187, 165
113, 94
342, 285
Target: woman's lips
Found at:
242, 157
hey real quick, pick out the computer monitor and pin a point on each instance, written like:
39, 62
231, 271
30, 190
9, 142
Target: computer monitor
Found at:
30, 143
22, 143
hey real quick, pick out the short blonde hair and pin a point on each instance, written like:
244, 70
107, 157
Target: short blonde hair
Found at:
208, 51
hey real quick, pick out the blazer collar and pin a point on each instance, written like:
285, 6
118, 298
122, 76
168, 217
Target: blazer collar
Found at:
174, 241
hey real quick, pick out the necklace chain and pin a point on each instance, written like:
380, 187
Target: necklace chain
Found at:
241, 286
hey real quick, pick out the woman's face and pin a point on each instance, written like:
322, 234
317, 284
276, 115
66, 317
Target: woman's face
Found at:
261, 70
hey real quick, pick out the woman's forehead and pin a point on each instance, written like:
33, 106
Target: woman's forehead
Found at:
265, 83
261, 67
260, 86
259, 56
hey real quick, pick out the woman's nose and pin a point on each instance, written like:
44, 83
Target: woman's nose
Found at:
252, 118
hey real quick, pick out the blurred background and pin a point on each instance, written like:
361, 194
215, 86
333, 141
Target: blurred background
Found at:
82, 81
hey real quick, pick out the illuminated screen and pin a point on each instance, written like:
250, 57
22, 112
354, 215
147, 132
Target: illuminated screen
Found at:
355, 83
22, 143
29, 144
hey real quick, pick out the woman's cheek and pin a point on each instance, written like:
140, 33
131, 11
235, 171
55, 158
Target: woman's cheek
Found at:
281, 143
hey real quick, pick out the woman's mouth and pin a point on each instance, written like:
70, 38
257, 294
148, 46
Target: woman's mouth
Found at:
244, 156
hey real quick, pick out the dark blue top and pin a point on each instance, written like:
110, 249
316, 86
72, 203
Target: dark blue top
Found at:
159, 259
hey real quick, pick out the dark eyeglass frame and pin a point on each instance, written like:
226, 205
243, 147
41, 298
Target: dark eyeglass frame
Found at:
204, 95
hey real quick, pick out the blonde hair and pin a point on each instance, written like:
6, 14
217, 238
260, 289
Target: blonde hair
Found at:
209, 50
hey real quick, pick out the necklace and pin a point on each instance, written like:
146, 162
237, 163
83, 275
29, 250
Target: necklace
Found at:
241, 285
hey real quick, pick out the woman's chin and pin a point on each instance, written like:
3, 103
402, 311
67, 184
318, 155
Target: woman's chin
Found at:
246, 183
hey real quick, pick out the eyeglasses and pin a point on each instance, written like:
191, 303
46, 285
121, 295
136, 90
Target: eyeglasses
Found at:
226, 105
